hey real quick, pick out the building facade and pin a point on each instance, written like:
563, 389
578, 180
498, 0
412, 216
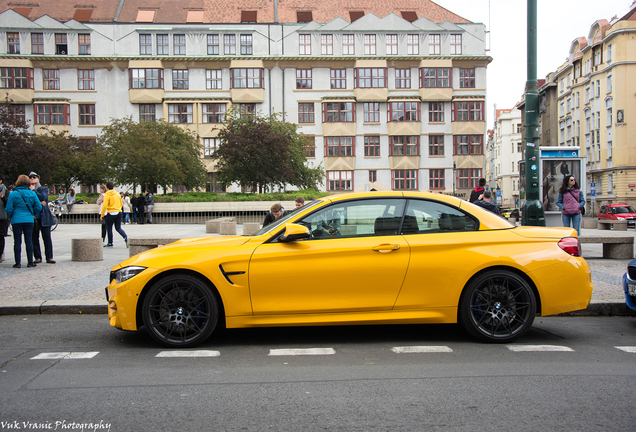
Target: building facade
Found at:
595, 104
393, 97
507, 151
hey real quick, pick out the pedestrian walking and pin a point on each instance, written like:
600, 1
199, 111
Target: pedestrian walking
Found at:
100, 203
112, 213
571, 202
44, 222
4, 219
150, 204
21, 207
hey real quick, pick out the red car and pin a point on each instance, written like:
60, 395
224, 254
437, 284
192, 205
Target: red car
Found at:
618, 212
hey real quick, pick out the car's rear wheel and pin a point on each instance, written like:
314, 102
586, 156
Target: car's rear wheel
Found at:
498, 306
180, 311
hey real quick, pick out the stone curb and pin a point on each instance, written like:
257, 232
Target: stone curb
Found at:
75, 307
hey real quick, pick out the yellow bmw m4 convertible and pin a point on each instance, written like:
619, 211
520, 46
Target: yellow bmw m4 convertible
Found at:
364, 258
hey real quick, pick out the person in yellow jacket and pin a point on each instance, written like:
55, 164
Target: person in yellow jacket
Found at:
112, 213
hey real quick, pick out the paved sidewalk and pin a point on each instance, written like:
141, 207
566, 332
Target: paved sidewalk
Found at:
78, 287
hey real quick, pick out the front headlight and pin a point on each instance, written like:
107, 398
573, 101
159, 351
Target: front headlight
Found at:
126, 273
620, 218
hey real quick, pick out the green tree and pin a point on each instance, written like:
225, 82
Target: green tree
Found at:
150, 153
73, 159
263, 150
18, 153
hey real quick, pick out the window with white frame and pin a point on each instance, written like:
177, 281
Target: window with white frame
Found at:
369, 44
214, 112
50, 79
229, 44
413, 44
391, 44
608, 107
609, 83
456, 44
338, 78
404, 179
213, 79
210, 145
85, 79
348, 45
246, 44
304, 44
339, 146
568, 133
609, 53
598, 88
213, 44
326, 44
163, 44
180, 113
340, 180
145, 44
434, 44
562, 131
568, 107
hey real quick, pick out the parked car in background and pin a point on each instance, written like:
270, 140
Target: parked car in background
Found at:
508, 213
629, 285
618, 212
363, 258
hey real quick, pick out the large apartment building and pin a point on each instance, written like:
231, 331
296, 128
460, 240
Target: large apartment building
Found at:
392, 93
596, 89
507, 151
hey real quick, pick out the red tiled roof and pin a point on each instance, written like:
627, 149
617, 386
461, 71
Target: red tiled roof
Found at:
214, 11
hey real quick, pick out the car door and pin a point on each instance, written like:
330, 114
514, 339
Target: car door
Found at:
355, 260
602, 214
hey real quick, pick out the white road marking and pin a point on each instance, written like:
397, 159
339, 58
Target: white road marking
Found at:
65, 355
421, 349
538, 348
629, 349
197, 353
302, 351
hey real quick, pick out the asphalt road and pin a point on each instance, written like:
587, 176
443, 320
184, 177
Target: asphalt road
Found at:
75, 372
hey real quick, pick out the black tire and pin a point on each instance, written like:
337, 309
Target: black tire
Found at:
498, 306
180, 311
55, 222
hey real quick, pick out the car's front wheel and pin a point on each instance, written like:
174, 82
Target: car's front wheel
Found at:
180, 311
498, 306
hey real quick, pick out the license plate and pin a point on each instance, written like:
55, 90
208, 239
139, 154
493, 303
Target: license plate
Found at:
631, 289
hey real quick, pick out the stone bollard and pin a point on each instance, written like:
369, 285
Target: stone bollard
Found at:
87, 249
589, 223
228, 228
250, 228
619, 225
213, 226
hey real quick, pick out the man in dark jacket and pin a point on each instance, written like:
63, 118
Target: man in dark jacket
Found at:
474, 195
276, 212
486, 202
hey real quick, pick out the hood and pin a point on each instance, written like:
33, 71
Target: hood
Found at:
184, 247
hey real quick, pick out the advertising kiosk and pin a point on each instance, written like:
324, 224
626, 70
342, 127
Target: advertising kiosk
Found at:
556, 164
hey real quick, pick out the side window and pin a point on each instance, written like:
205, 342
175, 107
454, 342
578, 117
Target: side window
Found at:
434, 217
363, 218
603, 210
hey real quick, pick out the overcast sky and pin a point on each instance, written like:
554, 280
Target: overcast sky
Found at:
559, 23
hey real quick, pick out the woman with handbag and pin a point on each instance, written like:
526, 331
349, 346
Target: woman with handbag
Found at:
21, 207
571, 202
44, 222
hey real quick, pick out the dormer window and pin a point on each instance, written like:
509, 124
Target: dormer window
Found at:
304, 16
355, 15
249, 16
410, 16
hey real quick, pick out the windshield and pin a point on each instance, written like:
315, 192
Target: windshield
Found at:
626, 209
285, 218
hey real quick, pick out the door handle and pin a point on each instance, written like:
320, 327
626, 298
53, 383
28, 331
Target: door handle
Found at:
386, 248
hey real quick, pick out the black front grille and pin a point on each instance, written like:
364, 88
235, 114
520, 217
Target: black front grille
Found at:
631, 272
112, 277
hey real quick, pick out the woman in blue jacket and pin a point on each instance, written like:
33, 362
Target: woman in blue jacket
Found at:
21, 207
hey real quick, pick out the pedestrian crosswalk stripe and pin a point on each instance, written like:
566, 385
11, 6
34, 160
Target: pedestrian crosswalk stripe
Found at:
302, 351
197, 353
629, 349
421, 349
538, 348
65, 355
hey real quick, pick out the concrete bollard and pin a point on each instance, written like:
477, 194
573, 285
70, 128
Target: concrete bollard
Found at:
228, 228
250, 228
87, 249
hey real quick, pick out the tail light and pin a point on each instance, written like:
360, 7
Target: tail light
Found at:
571, 245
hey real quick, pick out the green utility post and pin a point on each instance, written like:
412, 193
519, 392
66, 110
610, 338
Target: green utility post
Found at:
532, 209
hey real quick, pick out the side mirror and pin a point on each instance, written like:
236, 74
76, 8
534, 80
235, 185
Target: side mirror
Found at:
295, 232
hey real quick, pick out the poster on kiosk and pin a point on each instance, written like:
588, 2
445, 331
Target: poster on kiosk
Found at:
556, 164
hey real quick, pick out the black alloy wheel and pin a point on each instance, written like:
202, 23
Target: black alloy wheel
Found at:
180, 311
498, 306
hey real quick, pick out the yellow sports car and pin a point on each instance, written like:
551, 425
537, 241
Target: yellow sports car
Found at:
364, 258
